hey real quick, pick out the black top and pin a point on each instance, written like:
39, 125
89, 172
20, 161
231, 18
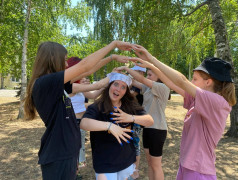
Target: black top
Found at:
61, 139
108, 155
139, 96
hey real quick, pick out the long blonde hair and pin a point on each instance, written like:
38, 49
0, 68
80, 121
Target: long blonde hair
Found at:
50, 58
225, 89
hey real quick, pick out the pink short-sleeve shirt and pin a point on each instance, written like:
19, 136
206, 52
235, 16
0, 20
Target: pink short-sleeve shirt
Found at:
204, 125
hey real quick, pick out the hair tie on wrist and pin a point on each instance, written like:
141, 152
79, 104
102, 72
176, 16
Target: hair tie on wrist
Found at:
108, 129
133, 119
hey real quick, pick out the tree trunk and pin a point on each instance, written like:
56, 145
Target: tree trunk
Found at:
2, 81
223, 52
23, 63
1, 18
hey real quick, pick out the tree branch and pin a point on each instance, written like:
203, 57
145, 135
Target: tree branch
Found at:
195, 34
184, 46
196, 8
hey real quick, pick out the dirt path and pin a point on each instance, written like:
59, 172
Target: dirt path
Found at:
20, 140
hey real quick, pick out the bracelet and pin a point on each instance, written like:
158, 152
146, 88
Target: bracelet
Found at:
109, 126
133, 119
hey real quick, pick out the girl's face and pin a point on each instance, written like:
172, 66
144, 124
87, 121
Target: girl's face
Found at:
117, 90
84, 81
152, 76
199, 81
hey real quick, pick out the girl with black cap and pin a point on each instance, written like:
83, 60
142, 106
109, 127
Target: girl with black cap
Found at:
208, 98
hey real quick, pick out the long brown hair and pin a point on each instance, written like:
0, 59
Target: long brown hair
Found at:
50, 58
225, 89
128, 102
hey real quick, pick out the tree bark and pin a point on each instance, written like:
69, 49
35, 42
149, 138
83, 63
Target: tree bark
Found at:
2, 81
223, 52
23, 63
1, 19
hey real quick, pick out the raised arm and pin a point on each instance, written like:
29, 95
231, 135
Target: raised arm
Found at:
90, 87
137, 84
90, 61
93, 94
137, 76
173, 75
161, 76
101, 63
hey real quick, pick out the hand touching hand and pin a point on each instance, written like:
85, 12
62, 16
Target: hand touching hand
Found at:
125, 46
115, 70
141, 52
119, 58
122, 68
140, 62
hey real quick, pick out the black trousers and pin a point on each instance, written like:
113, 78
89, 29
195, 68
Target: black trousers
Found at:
60, 170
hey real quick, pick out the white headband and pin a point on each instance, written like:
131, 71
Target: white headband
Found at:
138, 68
121, 77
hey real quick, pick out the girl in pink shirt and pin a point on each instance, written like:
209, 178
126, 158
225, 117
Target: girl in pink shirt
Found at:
208, 98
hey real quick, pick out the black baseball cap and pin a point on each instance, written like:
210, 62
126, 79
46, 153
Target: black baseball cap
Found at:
216, 68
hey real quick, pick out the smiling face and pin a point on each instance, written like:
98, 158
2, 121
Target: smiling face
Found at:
117, 90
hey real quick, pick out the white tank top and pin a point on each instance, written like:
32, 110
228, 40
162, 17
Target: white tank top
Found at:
78, 102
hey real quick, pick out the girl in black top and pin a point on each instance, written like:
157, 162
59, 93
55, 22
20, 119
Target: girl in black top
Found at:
47, 94
117, 106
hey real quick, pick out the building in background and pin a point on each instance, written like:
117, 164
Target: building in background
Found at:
9, 82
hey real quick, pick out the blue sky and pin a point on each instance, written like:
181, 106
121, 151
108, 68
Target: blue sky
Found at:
75, 31
74, 2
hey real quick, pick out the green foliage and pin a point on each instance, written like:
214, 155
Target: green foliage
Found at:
11, 14
47, 23
230, 14
160, 26
163, 28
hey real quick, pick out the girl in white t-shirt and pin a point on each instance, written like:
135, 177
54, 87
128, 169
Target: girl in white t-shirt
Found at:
208, 98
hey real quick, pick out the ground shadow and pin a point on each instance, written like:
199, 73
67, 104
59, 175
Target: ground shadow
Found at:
19, 154
20, 142
7, 110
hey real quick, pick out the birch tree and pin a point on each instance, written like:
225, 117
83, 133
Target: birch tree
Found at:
24, 60
224, 52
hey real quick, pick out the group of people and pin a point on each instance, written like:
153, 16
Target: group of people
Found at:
115, 118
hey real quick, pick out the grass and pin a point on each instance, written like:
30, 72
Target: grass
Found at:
20, 142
